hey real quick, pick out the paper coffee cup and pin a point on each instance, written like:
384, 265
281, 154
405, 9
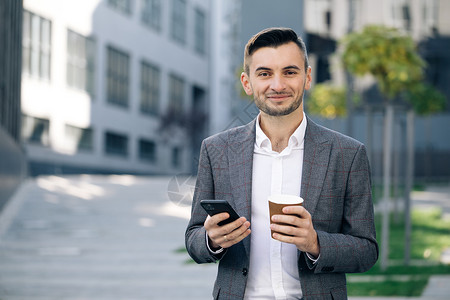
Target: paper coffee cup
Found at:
278, 202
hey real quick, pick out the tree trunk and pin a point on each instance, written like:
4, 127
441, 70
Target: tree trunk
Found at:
369, 134
387, 162
349, 97
398, 134
409, 182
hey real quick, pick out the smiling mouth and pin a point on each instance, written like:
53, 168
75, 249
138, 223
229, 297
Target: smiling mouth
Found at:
278, 97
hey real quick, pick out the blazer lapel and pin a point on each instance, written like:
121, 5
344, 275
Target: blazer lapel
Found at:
315, 164
240, 157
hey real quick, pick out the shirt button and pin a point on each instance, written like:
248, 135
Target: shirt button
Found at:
244, 271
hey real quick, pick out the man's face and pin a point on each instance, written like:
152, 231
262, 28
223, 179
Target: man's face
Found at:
277, 79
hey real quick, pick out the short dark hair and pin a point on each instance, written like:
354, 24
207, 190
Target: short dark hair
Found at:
273, 37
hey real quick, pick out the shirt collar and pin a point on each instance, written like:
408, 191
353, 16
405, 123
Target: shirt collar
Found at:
296, 140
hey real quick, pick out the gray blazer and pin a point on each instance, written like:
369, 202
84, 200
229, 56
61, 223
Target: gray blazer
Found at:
336, 188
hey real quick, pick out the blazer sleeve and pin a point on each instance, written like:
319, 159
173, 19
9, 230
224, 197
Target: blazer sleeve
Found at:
195, 236
354, 248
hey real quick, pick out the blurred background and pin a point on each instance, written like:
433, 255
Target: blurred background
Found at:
131, 87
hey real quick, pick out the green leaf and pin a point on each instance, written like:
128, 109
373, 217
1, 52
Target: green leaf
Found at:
386, 54
328, 101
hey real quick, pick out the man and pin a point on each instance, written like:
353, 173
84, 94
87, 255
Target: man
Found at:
283, 152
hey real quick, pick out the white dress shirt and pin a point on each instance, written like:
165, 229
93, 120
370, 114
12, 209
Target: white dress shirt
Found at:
273, 271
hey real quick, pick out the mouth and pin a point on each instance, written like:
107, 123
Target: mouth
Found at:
278, 97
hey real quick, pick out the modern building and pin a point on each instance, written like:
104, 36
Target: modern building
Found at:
114, 85
256, 15
12, 159
133, 86
327, 21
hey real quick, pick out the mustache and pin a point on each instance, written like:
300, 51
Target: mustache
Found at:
278, 94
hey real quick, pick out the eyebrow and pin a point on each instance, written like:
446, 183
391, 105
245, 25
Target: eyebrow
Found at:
262, 69
285, 68
292, 67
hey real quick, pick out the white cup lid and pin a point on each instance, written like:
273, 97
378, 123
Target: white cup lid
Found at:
285, 199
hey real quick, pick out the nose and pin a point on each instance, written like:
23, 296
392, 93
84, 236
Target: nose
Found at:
277, 84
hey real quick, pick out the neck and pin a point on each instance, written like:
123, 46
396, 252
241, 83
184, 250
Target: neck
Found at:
280, 128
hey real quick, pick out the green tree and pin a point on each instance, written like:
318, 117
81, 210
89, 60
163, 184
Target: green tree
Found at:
386, 54
426, 99
391, 58
327, 101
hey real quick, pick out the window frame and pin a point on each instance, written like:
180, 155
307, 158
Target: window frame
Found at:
178, 26
200, 31
32, 134
83, 134
142, 155
80, 73
176, 93
151, 14
150, 88
118, 77
36, 46
124, 6
117, 138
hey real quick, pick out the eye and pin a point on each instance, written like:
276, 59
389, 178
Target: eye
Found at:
263, 74
291, 72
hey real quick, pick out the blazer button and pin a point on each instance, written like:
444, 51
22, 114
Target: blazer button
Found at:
244, 271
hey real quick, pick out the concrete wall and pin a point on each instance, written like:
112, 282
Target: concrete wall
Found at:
12, 166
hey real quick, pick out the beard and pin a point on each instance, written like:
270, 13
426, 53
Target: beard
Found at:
276, 112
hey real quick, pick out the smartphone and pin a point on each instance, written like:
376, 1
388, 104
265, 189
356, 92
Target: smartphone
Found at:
214, 207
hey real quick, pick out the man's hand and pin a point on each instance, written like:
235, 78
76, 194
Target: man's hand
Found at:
227, 235
296, 227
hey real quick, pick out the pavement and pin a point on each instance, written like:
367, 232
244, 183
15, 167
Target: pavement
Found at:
92, 237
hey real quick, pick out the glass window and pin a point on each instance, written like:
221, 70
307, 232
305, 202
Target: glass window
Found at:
36, 45
151, 13
116, 144
401, 14
176, 96
200, 34
35, 130
81, 138
430, 14
121, 5
80, 62
147, 150
117, 77
179, 20
150, 82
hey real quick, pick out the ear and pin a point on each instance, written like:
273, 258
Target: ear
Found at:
245, 81
308, 79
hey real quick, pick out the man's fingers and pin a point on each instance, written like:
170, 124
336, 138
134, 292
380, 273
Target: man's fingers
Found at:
296, 210
295, 227
229, 234
291, 220
220, 217
235, 237
289, 230
295, 216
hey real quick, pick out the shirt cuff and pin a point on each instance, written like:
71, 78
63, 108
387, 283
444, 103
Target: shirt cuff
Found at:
209, 248
312, 259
